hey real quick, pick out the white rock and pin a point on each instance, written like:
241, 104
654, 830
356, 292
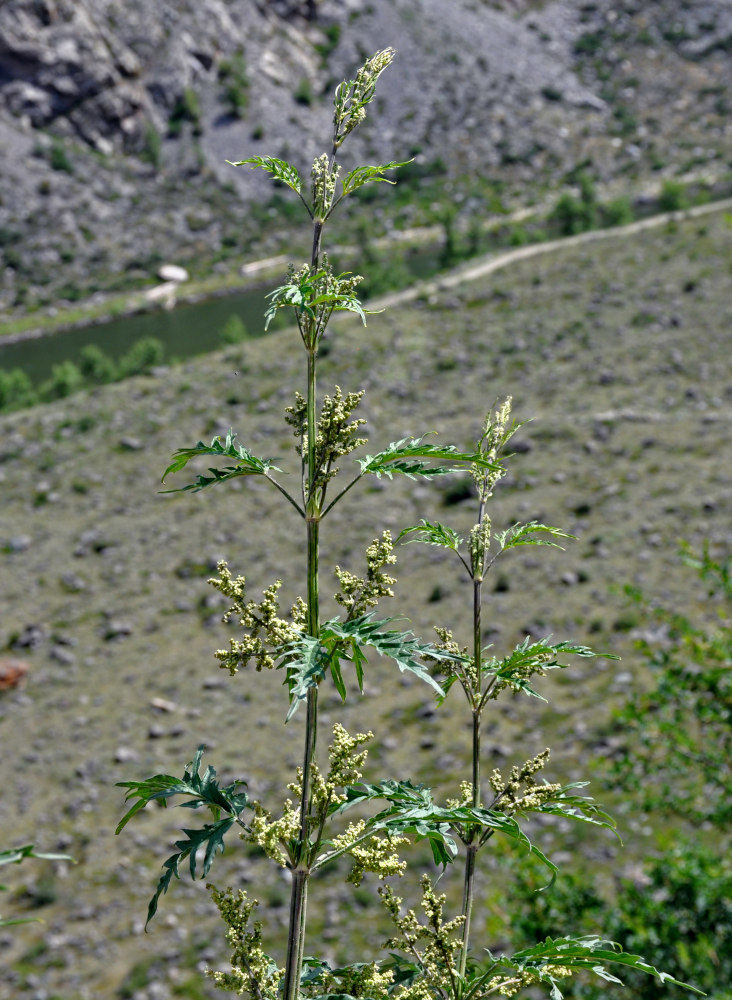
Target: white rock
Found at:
171, 272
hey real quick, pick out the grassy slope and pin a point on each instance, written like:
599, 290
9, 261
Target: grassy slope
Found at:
620, 354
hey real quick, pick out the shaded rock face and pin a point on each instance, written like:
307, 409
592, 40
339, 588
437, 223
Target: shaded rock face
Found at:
57, 62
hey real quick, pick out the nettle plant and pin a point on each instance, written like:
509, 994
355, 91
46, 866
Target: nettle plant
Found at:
433, 955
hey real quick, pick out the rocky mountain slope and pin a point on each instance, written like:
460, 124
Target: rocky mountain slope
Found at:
116, 119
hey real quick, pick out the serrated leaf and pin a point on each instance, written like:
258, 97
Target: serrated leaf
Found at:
212, 835
582, 808
280, 169
246, 463
307, 661
433, 534
406, 457
528, 658
369, 175
402, 647
412, 810
526, 534
202, 790
586, 952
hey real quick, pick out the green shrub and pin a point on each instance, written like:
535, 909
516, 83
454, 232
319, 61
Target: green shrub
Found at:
65, 379
672, 197
618, 212
186, 109
233, 76
96, 366
234, 330
59, 158
304, 92
16, 390
152, 147
141, 357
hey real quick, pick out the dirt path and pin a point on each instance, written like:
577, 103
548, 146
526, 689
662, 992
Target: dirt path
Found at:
496, 262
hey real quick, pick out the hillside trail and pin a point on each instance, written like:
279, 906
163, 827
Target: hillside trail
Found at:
496, 262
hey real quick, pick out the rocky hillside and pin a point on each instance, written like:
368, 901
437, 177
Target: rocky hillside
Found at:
116, 119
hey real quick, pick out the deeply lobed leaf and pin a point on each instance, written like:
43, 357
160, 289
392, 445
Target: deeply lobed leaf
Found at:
281, 170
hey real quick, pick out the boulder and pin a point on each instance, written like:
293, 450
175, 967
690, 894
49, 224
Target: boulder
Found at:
172, 272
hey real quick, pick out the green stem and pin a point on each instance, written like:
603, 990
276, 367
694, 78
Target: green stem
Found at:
301, 873
296, 936
468, 891
473, 843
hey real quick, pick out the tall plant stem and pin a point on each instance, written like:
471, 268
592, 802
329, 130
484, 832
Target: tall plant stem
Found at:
301, 873
472, 845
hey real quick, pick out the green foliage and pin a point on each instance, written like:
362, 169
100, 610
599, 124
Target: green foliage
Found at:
65, 380
677, 911
16, 390
234, 330
152, 147
281, 170
59, 158
96, 366
673, 196
677, 755
144, 354
233, 75
304, 92
546, 962
186, 109
360, 176
200, 790
406, 457
246, 463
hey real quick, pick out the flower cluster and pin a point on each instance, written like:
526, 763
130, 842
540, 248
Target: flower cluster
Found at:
509, 984
479, 541
253, 972
324, 179
274, 836
358, 595
267, 632
496, 433
360, 980
336, 434
433, 943
522, 791
352, 96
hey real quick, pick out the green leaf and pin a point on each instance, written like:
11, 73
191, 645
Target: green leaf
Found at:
307, 661
307, 658
433, 534
412, 810
246, 463
402, 647
280, 169
528, 658
202, 790
525, 534
212, 835
15, 855
369, 175
406, 457
578, 807
586, 952
303, 296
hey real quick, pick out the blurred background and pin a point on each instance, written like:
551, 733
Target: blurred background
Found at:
134, 266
